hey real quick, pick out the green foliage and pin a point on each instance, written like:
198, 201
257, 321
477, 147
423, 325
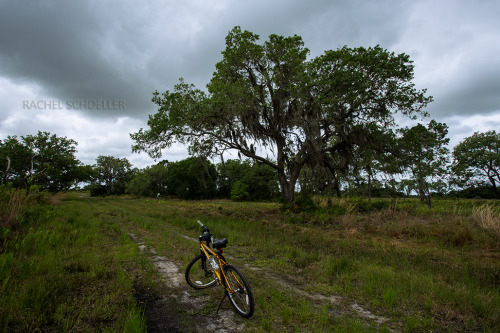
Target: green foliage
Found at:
477, 160
96, 190
14, 161
474, 192
302, 203
43, 159
191, 178
239, 192
149, 181
247, 182
113, 173
423, 153
230, 172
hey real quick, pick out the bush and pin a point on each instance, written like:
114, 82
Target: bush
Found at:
302, 203
364, 206
337, 209
239, 192
482, 192
97, 190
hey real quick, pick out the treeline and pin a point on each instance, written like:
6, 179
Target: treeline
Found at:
48, 162
192, 178
198, 178
420, 165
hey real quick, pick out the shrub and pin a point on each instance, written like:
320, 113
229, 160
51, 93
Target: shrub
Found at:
365, 206
304, 203
239, 192
97, 190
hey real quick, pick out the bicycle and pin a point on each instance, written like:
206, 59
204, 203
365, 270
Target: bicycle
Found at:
201, 275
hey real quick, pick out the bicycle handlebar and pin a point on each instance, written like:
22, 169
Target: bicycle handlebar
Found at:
207, 235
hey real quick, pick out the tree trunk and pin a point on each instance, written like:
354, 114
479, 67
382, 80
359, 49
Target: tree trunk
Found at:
287, 188
6, 173
429, 201
369, 184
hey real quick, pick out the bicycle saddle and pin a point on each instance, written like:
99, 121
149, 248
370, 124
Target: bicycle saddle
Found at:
219, 243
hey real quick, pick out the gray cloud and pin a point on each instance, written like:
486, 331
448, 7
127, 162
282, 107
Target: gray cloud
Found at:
124, 50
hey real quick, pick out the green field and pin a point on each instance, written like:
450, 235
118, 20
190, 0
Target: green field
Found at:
390, 265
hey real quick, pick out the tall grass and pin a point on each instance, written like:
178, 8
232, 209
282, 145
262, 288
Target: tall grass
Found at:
487, 217
17, 204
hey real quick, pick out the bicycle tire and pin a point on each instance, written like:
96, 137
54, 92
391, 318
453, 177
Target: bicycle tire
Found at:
197, 276
242, 298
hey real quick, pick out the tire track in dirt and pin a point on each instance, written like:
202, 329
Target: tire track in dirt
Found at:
225, 321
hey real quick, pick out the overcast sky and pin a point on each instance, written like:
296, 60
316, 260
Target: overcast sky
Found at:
87, 69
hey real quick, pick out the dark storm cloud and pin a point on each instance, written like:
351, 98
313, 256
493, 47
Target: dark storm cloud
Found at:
72, 51
121, 51
125, 50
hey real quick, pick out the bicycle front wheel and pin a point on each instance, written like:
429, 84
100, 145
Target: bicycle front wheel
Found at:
239, 292
199, 273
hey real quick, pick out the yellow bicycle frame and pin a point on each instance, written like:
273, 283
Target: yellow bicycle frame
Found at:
208, 251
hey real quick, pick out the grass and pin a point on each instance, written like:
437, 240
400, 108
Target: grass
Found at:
488, 217
440, 268
61, 271
421, 271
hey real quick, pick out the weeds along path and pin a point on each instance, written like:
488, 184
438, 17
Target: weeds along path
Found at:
153, 233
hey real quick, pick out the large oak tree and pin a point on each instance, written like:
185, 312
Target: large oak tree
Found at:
270, 98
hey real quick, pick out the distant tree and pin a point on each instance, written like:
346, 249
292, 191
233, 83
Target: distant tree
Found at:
113, 173
14, 161
149, 181
230, 172
271, 97
477, 160
406, 186
45, 160
192, 178
424, 155
53, 162
259, 183
373, 155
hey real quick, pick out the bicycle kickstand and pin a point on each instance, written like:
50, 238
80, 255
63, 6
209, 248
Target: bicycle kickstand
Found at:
223, 298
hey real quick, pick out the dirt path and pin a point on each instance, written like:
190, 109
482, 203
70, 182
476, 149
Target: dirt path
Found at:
163, 312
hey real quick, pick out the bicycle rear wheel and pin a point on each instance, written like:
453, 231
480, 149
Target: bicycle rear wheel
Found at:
199, 273
241, 296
